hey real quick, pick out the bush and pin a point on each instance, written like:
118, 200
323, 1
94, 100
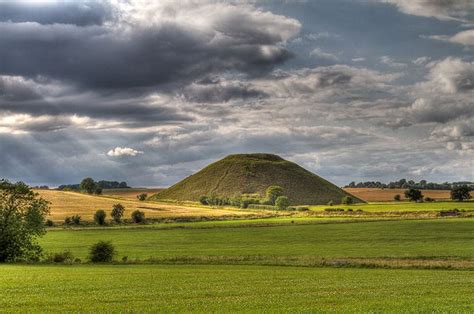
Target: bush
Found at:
117, 212
414, 195
102, 252
331, 203
76, 220
204, 200
138, 216
49, 223
397, 198
302, 208
273, 192
282, 202
260, 206
460, 193
68, 220
429, 199
334, 209
142, 197
347, 200
99, 217
62, 257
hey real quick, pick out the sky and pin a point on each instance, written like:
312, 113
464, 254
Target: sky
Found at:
149, 92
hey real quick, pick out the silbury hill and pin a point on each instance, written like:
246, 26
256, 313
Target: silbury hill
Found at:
252, 174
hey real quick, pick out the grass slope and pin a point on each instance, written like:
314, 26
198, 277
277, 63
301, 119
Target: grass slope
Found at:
253, 174
211, 288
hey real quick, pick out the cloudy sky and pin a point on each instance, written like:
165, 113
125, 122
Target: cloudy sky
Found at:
151, 91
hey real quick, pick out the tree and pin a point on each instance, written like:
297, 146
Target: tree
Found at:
414, 195
330, 203
102, 252
204, 200
397, 197
273, 192
142, 197
99, 217
347, 200
138, 216
22, 220
117, 212
76, 219
282, 202
98, 190
460, 193
88, 185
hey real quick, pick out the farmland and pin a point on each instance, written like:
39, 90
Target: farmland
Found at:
202, 288
382, 195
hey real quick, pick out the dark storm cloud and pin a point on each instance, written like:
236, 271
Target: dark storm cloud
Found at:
79, 13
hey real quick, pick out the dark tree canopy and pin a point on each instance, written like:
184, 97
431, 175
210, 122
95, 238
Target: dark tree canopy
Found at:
460, 193
414, 195
117, 212
88, 185
22, 220
273, 192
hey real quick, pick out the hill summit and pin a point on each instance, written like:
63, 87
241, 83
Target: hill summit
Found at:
253, 174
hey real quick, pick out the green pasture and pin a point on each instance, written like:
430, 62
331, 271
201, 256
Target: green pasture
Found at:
449, 237
401, 206
211, 288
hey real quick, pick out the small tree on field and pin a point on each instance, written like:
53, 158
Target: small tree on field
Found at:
347, 200
460, 193
142, 197
138, 216
76, 219
282, 202
88, 185
98, 190
102, 252
117, 212
331, 203
204, 200
99, 217
397, 197
414, 195
273, 192
22, 220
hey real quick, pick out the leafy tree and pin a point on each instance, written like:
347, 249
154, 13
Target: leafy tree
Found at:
102, 252
138, 216
460, 193
330, 203
414, 195
99, 217
117, 212
397, 197
88, 185
347, 200
204, 200
142, 197
273, 192
76, 219
98, 190
282, 202
68, 220
22, 220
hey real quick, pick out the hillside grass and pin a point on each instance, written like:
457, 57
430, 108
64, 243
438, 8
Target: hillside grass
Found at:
65, 204
165, 288
253, 174
440, 238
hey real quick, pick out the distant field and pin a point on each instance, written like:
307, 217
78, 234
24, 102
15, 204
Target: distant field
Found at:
130, 193
381, 195
405, 206
401, 239
71, 203
185, 288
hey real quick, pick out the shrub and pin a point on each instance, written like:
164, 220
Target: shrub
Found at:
282, 202
68, 220
347, 200
260, 206
302, 208
330, 203
49, 223
203, 200
397, 198
99, 217
138, 216
414, 195
272, 193
102, 252
142, 197
76, 220
334, 209
117, 212
62, 257
429, 199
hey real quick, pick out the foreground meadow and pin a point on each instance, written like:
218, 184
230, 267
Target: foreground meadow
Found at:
201, 288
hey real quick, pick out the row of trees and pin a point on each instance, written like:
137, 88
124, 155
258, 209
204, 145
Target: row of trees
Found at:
90, 186
407, 184
458, 193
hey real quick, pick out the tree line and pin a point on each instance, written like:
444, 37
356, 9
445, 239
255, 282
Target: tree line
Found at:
409, 184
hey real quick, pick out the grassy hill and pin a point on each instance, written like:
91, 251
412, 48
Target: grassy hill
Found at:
253, 174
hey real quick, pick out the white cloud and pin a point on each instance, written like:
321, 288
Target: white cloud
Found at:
318, 53
441, 9
465, 38
421, 60
391, 63
123, 151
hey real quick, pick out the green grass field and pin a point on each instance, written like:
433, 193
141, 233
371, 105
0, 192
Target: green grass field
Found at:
165, 288
406, 238
402, 206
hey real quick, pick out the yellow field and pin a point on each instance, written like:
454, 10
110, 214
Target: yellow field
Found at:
129, 193
65, 204
381, 195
